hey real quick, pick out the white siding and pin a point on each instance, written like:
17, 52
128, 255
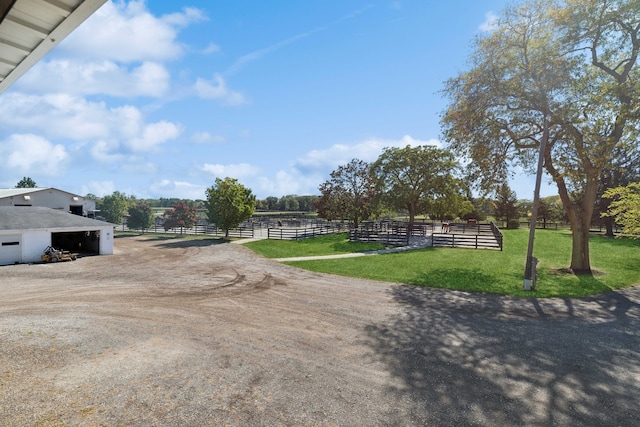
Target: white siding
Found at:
106, 241
49, 198
34, 244
10, 252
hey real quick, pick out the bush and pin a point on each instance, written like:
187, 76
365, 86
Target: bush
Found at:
513, 224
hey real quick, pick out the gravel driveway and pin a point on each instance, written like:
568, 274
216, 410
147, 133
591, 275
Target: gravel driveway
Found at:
173, 333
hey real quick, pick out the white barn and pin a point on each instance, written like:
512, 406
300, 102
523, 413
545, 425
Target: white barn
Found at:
25, 232
48, 198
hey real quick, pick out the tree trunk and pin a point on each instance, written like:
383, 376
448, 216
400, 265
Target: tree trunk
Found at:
579, 213
580, 262
412, 212
608, 224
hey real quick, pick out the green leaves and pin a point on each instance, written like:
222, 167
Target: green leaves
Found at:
574, 61
625, 208
350, 193
114, 207
229, 203
180, 216
412, 178
140, 216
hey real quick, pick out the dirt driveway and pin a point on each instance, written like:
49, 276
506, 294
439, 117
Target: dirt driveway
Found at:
168, 333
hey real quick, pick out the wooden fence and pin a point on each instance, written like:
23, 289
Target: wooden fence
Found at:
282, 233
476, 236
396, 237
393, 233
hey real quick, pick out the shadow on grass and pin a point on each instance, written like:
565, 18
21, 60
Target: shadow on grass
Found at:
617, 242
346, 246
473, 359
469, 279
564, 280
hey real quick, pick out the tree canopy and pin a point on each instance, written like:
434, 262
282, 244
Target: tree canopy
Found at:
229, 203
625, 208
505, 207
349, 193
180, 216
412, 178
114, 207
563, 71
140, 216
26, 182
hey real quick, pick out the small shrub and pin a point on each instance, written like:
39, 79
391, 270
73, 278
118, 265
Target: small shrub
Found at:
513, 224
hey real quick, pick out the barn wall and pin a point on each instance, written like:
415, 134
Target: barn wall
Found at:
34, 242
106, 241
10, 252
50, 198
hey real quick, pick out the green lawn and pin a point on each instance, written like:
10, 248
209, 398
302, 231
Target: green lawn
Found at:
616, 264
323, 245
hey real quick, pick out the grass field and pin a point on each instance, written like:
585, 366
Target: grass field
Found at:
616, 264
323, 245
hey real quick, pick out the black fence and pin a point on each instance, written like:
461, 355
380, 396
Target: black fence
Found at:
466, 235
476, 236
284, 233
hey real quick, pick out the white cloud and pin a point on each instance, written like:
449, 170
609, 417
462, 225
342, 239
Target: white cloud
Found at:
217, 89
206, 138
368, 150
237, 171
211, 48
179, 189
153, 135
105, 151
109, 130
100, 77
57, 115
289, 182
28, 153
128, 32
119, 51
395, 5
99, 188
490, 22
309, 171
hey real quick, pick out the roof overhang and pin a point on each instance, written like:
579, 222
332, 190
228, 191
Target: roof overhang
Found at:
29, 29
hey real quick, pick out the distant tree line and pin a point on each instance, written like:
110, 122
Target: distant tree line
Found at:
288, 203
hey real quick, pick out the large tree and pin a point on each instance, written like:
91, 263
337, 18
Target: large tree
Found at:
229, 203
114, 207
454, 202
140, 216
505, 207
349, 193
181, 215
560, 71
412, 178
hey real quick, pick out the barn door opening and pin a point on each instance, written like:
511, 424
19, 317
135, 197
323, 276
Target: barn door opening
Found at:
80, 242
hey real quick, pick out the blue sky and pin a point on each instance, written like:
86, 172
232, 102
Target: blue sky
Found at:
157, 99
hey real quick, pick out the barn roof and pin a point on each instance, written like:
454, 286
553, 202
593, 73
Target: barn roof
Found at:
34, 217
12, 192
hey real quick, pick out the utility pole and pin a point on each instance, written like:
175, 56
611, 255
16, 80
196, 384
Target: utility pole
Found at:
531, 262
